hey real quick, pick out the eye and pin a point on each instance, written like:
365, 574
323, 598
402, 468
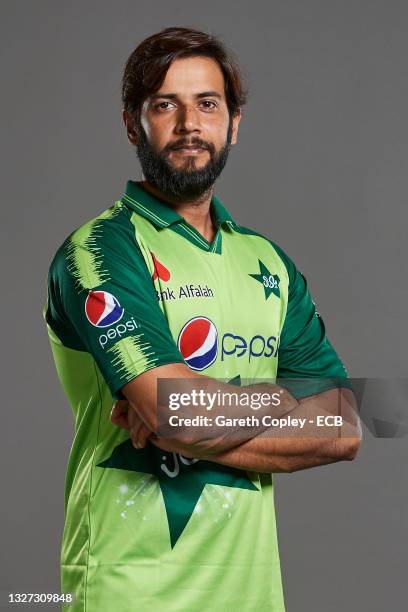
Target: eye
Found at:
209, 103
160, 106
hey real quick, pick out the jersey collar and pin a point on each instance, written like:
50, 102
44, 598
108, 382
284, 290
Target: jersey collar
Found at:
160, 213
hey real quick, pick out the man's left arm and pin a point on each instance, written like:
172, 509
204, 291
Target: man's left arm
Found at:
287, 450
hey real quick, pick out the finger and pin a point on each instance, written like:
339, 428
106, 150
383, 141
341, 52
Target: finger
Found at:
139, 431
119, 407
143, 436
121, 421
119, 414
134, 432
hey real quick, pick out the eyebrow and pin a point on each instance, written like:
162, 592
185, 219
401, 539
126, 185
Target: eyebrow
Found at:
173, 96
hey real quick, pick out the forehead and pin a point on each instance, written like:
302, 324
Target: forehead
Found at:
192, 75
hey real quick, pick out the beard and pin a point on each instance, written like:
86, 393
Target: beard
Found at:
181, 184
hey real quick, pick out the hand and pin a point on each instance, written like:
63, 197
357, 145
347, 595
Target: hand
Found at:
124, 415
169, 446
119, 414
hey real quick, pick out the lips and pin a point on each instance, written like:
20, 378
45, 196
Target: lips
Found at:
189, 148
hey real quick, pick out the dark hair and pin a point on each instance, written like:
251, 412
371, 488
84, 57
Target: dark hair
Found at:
146, 67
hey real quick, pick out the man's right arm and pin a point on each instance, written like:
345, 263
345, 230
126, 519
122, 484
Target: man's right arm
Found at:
142, 396
261, 450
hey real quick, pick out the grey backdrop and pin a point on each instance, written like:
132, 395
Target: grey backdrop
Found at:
321, 167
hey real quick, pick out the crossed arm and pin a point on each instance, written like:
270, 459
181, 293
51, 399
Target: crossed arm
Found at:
261, 450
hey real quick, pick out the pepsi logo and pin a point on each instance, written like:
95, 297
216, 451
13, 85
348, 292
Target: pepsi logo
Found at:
198, 343
102, 308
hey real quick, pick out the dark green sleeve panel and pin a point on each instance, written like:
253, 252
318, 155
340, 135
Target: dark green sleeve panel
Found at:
96, 268
305, 351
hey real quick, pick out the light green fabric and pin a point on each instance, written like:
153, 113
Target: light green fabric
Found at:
144, 529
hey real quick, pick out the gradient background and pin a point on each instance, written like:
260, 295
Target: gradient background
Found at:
321, 167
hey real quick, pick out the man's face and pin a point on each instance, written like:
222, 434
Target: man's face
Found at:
185, 131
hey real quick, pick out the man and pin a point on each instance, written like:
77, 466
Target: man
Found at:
166, 285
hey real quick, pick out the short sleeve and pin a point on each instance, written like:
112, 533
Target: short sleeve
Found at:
305, 352
101, 299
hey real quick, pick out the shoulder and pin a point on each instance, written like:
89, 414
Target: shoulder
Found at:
85, 248
101, 228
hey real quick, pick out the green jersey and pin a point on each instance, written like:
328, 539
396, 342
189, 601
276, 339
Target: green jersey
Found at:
132, 289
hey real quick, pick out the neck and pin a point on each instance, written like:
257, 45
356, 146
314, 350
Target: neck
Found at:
196, 211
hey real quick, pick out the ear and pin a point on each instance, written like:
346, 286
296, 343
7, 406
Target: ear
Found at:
130, 127
235, 123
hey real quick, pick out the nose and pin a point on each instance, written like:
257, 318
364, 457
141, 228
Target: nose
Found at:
188, 120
